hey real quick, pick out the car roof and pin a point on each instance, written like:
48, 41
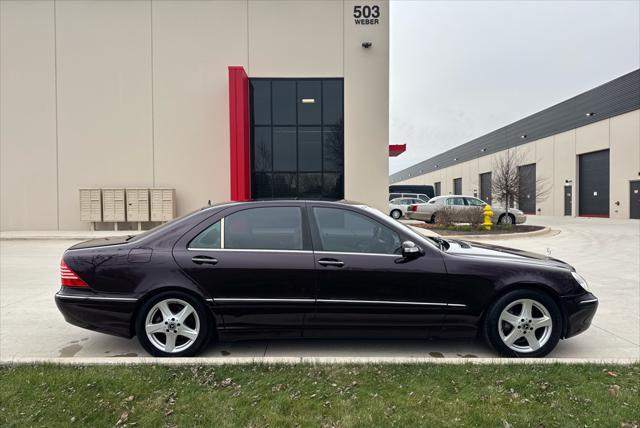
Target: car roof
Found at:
267, 202
455, 196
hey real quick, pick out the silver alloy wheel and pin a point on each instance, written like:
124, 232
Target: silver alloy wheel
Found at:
172, 325
396, 214
507, 219
525, 325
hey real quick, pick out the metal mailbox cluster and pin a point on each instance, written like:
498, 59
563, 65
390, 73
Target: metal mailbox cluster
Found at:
114, 205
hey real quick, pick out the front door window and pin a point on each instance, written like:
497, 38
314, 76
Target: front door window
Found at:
350, 232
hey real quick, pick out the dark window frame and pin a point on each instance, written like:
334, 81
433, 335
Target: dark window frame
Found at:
325, 129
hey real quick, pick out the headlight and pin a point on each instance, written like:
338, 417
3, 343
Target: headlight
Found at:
580, 280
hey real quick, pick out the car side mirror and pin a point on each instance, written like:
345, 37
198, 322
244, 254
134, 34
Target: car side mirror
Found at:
410, 250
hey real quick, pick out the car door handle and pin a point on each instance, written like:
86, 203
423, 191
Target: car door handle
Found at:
330, 262
204, 260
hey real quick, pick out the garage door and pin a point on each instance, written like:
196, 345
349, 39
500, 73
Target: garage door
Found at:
527, 188
593, 184
457, 186
485, 187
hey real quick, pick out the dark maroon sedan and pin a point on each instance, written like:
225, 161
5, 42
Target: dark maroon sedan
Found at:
316, 269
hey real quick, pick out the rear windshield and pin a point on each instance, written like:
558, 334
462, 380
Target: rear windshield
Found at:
160, 227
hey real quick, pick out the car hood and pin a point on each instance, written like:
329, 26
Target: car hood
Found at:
475, 249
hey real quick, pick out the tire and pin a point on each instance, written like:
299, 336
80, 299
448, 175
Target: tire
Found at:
543, 333
504, 219
433, 219
196, 326
396, 214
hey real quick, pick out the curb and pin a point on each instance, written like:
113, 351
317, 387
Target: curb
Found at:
500, 236
311, 360
540, 232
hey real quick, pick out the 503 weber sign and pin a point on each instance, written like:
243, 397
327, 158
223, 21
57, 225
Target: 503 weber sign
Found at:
366, 15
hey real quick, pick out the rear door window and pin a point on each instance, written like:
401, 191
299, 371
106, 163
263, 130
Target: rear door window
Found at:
266, 228
475, 202
456, 201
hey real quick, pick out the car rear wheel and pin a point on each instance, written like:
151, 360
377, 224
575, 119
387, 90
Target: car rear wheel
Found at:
396, 214
524, 324
173, 324
507, 219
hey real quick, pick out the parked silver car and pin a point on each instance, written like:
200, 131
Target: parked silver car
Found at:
459, 206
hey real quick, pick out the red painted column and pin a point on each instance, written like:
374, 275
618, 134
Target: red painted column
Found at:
239, 134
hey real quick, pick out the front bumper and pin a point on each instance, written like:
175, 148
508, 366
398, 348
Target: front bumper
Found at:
579, 311
105, 314
521, 219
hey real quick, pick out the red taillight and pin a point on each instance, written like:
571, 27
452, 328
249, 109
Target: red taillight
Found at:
413, 208
68, 278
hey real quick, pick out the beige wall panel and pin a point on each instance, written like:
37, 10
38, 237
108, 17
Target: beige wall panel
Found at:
544, 172
194, 43
485, 164
526, 153
624, 160
564, 168
592, 137
295, 39
104, 99
27, 116
473, 182
366, 104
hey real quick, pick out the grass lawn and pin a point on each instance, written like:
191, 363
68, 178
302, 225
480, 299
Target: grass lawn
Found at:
403, 395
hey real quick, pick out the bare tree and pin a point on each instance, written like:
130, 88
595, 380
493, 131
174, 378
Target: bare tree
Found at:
507, 178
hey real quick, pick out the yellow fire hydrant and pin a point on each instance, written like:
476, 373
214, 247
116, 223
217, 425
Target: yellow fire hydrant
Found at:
488, 213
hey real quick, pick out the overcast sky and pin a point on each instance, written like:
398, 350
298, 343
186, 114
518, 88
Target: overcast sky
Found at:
460, 69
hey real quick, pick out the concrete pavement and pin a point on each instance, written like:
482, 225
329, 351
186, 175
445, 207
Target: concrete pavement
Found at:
606, 252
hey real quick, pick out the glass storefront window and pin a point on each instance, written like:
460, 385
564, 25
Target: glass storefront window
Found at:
297, 138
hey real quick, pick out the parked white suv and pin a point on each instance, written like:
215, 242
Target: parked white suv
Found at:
421, 196
398, 207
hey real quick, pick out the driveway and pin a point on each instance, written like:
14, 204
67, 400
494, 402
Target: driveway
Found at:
606, 252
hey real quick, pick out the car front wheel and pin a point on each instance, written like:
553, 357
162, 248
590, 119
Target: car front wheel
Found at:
523, 323
396, 214
507, 219
173, 324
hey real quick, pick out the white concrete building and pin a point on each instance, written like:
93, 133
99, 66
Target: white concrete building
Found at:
585, 151
218, 100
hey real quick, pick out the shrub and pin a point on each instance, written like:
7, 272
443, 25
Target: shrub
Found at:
445, 216
473, 216
448, 216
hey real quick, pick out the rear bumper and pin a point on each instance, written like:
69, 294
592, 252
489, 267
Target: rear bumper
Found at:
521, 219
105, 314
579, 311
416, 215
